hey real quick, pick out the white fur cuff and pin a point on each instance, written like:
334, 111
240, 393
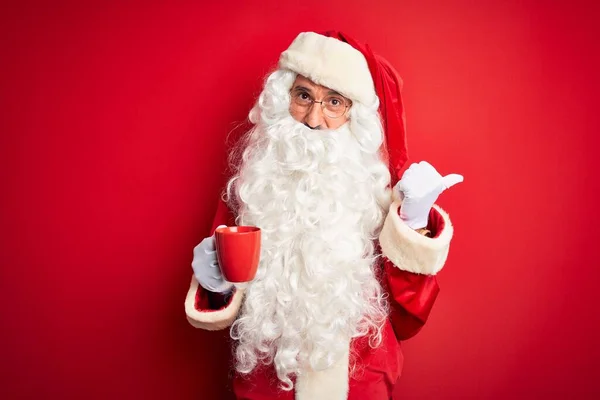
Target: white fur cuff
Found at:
411, 251
211, 320
332, 63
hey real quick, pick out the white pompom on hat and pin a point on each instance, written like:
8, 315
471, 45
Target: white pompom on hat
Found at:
332, 63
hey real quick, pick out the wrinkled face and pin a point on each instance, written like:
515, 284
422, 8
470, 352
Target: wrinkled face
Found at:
306, 106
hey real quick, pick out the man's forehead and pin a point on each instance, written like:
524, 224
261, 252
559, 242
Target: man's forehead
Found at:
302, 81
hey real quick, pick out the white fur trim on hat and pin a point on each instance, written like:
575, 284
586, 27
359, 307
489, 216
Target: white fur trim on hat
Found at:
411, 251
332, 63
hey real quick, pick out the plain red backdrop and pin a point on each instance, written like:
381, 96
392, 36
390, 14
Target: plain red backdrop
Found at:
113, 121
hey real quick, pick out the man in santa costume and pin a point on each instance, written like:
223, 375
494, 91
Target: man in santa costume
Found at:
349, 253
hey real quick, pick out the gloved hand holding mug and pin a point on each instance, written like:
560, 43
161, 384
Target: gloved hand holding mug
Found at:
206, 267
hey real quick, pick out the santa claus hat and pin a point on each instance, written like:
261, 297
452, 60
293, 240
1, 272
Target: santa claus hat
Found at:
337, 61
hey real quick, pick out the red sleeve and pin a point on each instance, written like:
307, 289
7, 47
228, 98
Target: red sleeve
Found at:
436, 223
412, 295
411, 299
210, 301
206, 300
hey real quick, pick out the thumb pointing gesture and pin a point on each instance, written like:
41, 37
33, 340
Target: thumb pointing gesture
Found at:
452, 179
418, 190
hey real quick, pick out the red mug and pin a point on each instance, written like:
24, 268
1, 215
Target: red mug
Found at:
238, 252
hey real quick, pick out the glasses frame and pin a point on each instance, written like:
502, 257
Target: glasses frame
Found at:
312, 103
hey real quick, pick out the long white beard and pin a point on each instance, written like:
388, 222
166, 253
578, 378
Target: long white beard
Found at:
320, 202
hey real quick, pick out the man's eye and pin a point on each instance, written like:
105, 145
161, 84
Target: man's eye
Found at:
335, 102
304, 96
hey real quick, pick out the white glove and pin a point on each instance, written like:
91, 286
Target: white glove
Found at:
206, 267
418, 189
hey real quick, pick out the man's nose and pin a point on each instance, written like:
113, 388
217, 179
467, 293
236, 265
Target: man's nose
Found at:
314, 119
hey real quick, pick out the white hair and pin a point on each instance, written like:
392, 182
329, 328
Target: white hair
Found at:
320, 198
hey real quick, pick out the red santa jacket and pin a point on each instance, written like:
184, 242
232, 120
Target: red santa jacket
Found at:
409, 264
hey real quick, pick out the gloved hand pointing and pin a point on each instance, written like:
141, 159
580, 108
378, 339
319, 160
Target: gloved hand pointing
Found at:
418, 189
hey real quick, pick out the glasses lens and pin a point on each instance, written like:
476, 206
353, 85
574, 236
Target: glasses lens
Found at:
301, 99
332, 114
334, 106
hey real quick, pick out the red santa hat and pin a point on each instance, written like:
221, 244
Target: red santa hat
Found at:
339, 62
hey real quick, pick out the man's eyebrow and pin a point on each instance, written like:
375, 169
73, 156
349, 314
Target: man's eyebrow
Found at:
330, 93
302, 88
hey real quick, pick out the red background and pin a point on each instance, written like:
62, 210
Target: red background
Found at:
113, 120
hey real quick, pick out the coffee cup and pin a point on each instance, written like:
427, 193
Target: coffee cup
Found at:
238, 252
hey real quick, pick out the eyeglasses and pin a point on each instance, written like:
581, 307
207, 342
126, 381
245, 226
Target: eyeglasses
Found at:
333, 106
